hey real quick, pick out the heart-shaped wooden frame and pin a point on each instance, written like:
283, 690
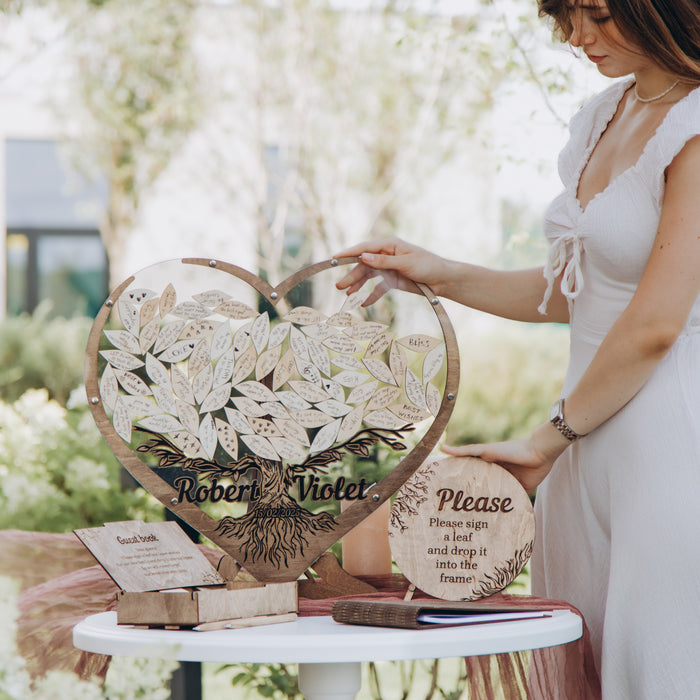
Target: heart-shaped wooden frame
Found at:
190, 513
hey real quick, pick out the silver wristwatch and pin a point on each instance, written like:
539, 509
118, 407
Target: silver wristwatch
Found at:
556, 418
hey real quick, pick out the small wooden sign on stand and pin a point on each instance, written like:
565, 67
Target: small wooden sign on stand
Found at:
461, 528
166, 581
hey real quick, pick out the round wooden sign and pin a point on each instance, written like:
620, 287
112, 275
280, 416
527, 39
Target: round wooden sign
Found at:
461, 528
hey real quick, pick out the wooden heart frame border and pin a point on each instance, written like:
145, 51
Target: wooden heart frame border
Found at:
190, 513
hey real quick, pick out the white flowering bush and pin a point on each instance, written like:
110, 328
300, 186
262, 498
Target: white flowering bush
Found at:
56, 472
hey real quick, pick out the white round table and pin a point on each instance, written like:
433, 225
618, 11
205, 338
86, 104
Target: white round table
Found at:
329, 654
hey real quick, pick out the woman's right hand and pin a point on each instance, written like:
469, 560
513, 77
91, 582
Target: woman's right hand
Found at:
399, 264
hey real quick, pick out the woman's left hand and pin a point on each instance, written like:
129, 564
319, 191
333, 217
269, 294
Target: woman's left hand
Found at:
529, 460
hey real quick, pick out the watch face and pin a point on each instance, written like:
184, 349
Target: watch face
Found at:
555, 411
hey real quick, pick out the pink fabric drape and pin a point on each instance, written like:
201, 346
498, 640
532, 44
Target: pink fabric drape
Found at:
62, 584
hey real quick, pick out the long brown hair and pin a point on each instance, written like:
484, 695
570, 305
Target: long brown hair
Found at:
668, 30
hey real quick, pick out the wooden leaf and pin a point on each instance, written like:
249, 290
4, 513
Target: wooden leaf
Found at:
319, 356
409, 413
169, 333
161, 424
200, 358
292, 430
308, 371
379, 344
278, 334
319, 331
167, 300
109, 387
418, 342
432, 363
355, 300
223, 371
334, 390
342, 344
236, 310
283, 370
187, 443
123, 340
297, 341
211, 298
379, 370
414, 390
275, 409
148, 311
148, 335
265, 427
164, 398
304, 316
248, 407
351, 424
347, 362
342, 319
139, 406
383, 397
288, 449
260, 331
267, 362
181, 385
217, 399
121, 360
238, 421
261, 446
309, 391
227, 437
350, 378
132, 384
325, 437
188, 416
208, 436
365, 330
433, 398
310, 418
333, 408
178, 352
121, 420
383, 418
292, 400
138, 296
128, 315
221, 341
362, 393
197, 329
256, 391
244, 366
397, 362
190, 310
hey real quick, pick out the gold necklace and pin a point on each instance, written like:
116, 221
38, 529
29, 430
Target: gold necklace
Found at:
656, 97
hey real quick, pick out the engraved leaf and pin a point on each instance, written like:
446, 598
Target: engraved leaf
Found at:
283, 370
414, 390
347, 362
292, 400
208, 436
379, 370
292, 430
256, 391
161, 424
121, 359
190, 310
128, 314
178, 351
310, 418
238, 421
397, 362
169, 333
383, 418
379, 344
109, 387
200, 357
244, 365
333, 408
196, 329
265, 427
351, 424
342, 344
297, 341
217, 399
433, 399
221, 341
304, 316
362, 393
224, 368
365, 330
342, 319
319, 356
275, 409
261, 446
308, 371
419, 342
355, 300
248, 407
141, 406
167, 300
236, 310
181, 385
187, 443
138, 296
188, 416
148, 336
148, 312
241, 340
121, 421
131, 383
164, 398
409, 413
383, 397
123, 340
287, 449
211, 298
319, 331
278, 334
227, 437
260, 331
309, 391
267, 362
432, 363
350, 378
325, 437
335, 390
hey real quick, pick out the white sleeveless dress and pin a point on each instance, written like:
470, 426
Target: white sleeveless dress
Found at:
619, 514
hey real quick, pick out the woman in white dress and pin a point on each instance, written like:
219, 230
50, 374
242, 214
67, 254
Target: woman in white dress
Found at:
618, 463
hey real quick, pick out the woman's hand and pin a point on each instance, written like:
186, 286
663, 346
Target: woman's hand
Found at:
400, 265
529, 460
